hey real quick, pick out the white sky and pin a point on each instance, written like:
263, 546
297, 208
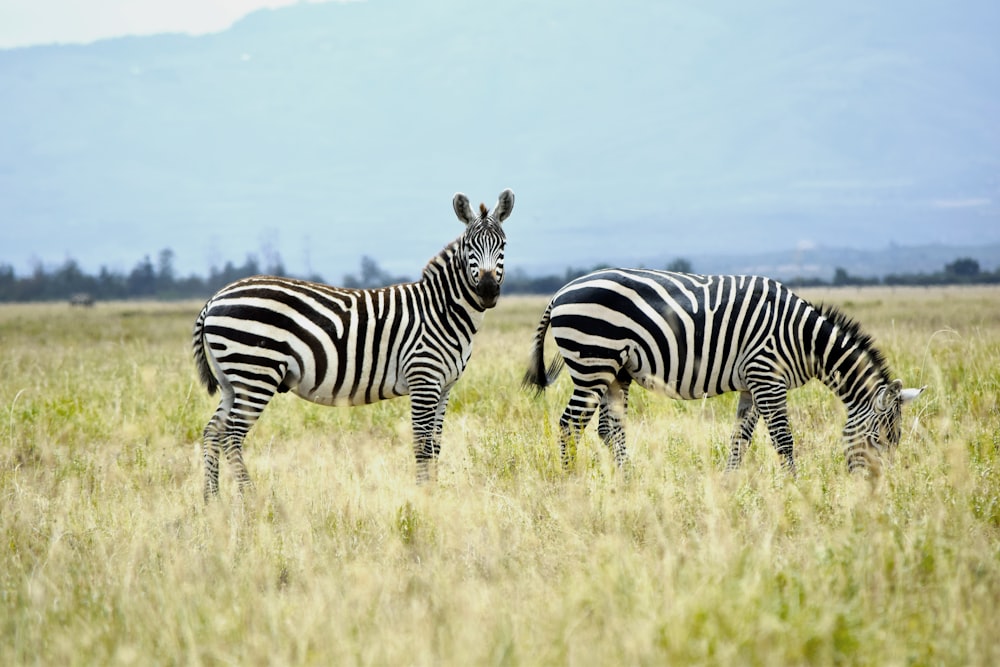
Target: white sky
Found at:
27, 22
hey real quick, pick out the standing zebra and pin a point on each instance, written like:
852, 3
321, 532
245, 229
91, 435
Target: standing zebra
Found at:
695, 336
339, 346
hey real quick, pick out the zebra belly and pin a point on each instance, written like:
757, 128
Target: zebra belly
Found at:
346, 398
359, 386
672, 386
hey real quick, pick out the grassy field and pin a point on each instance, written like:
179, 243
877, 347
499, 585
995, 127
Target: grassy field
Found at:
109, 555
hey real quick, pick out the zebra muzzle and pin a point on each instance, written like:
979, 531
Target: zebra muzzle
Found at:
488, 290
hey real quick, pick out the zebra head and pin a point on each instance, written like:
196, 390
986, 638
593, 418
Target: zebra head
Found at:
482, 245
873, 429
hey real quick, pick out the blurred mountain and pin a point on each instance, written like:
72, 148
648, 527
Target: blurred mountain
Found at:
820, 262
628, 130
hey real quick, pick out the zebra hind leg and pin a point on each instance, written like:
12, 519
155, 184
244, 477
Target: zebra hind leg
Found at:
611, 421
226, 432
234, 455
211, 447
747, 417
578, 413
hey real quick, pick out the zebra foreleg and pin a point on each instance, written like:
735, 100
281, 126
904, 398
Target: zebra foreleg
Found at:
432, 466
611, 421
747, 417
578, 413
427, 408
780, 431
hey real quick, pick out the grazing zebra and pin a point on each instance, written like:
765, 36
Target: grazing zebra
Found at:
338, 346
694, 336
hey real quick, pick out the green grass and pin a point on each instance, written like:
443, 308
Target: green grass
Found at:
109, 555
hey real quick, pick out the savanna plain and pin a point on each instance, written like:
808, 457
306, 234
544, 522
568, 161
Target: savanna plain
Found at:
110, 556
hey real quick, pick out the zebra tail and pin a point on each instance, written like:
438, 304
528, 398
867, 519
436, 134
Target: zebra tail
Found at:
204, 370
537, 376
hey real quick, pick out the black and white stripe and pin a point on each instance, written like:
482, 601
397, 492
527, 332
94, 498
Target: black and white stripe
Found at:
693, 336
337, 346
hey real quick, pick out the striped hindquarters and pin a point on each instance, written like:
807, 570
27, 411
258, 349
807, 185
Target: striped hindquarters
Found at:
200, 361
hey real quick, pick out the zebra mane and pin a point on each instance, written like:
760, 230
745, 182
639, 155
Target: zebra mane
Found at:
483, 211
853, 330
442, 259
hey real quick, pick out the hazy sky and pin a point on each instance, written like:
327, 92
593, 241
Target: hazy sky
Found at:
632, 132
27, 22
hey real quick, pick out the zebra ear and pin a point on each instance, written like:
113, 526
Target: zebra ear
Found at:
894, 393
889, 395
462, 208
505, 204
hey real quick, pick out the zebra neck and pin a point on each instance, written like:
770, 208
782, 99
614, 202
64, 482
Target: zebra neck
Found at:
850, 369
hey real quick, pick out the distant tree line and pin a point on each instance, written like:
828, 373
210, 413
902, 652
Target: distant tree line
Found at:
963, 271
158, 280
145, 281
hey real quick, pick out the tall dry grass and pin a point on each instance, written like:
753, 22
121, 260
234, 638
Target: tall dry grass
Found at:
110, 557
